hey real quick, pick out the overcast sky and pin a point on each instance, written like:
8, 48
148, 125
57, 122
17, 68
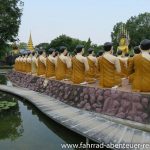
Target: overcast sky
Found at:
47, 19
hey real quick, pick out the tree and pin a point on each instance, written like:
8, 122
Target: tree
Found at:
138, 28
88, 45
67, 41
114, 34
44, 46
10, 19
22, 45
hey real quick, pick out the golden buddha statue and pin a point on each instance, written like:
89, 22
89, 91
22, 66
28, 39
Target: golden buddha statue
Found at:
123, 39
123, 46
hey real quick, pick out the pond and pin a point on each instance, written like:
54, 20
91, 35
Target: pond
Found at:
25, 127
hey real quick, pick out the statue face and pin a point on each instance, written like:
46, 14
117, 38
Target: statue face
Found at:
93, 53
82, 51
44, 54
65, 52
122, 42
53, 54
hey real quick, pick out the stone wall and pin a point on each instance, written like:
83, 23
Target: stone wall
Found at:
131, 106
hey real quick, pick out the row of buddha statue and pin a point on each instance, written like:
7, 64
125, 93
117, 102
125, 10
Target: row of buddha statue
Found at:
109, 69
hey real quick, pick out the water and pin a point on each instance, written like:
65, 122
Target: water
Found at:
3, 79
25, 127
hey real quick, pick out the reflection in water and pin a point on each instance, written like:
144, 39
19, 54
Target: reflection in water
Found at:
3, 79
10, 120
25, 127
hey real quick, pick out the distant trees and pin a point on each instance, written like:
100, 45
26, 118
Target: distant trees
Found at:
69, 42
138, 27
10, 18
42, 46
22, 45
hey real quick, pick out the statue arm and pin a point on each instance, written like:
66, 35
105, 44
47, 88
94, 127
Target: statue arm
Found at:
85, 61
131, 67
68, 62
117, 65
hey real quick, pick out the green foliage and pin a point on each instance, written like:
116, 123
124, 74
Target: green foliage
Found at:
138, 27
114, 34
70, 43
22, 45
44, 46
10, 18
5, 105
4, 50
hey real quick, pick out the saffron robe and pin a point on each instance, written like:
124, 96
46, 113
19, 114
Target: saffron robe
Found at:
78, 71
50, 68
61, 69
91, 73
108, 74
41, 69
141, 77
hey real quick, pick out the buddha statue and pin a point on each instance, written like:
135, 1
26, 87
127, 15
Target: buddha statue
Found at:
92, 61
141, 67
34, 63
41, 69
131, 70
79, 66
24, 63
20, 66
50, 63
109, 68
99, 56
28, 63
123, 46
69, 70
123, 63
63, 63
16, 65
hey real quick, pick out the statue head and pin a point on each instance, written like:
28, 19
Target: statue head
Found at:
80, 49
137, 50
119, 53
91, 51
122, 42
51, 51
63, 50
108, 46
145, 45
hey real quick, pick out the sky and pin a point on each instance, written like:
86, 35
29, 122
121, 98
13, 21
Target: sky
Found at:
47, 19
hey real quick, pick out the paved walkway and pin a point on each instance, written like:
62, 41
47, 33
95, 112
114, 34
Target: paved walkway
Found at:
88, 124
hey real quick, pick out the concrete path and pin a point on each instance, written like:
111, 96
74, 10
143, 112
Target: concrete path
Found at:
88, 124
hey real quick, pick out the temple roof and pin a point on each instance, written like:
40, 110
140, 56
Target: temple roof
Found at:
30, 43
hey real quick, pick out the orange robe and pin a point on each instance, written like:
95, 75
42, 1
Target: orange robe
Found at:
141, 79
28, 67
41, 69
50, 68
98, 68
78, 71
23, 66
124, 71
16, 65
108, 74
130, 69
61, 69
91, 73
69, 73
